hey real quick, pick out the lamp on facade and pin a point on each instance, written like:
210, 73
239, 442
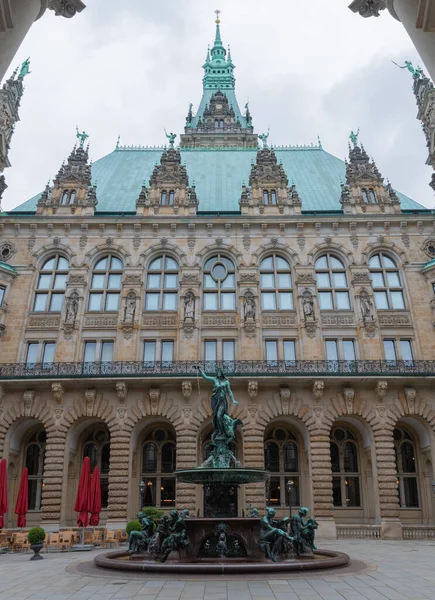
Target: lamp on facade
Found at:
141, 492
289, 490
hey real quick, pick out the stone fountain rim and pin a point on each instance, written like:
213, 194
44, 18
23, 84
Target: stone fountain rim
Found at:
109, 560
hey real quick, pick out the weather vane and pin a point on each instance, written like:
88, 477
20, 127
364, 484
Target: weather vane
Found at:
217, 12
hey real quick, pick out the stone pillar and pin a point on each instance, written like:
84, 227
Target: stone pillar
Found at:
253, 454
186, 459
321, 476
17, 18
119, 476
391, 527
407, 11
53, 476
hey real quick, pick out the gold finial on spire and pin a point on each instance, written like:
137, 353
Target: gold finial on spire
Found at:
218, 12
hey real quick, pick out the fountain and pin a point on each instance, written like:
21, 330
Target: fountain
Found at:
219, 543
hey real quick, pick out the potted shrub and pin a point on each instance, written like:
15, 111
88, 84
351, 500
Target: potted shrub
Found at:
36, 537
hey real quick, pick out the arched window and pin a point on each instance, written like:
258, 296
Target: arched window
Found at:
273, 197
387, 286
162, 284
106, 284
35, 455
345, 468
158, 467
276, 284
97, 447
171, 198
64, 200
406, 466
219, 284
50, 289
372, 197
364, 196
332, 283
265, 197
72, 197
164, 197
281, 458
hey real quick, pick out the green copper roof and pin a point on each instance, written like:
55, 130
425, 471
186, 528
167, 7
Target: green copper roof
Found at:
7, 267
218, 176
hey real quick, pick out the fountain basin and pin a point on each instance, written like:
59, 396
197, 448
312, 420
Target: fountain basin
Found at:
235, 476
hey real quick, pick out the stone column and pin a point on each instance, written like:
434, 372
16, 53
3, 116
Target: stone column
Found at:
391, 527
423, 37
119, 476
53, 476
253, 439
186, 459
322, 481
17, 18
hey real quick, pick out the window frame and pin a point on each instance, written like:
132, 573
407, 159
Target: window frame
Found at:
332, 290
105, 291
39, 477
51, 291
281, 474
162, 291
41, 346
387, 290
276, 290
158, 352
342, 474
398, 350
89, 440
159, 475
402, 475
220, 290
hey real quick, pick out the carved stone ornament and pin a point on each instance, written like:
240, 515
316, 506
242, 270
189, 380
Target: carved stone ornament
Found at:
249, 305
381, 389
252, 389
71, 310
130, 304
318, 411
2, 393
305, 278
66, 8
349, 395
429, 248
318, 387
248, 278
77, 279
122, 411
189, 307
90, 395
307, 302
411, 395
368, 8
133, 279
28, 398
58, 391
186, 389
311, 329
187, 412
154, 395
7, 250
361, 277
121, 391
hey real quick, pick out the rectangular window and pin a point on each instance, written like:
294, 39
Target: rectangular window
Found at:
381, 300
228, 301
149, 353
390, 350
167, 491
169, 301
397, 300
339, 280
90, 352
210, 301
112, 302
410, 491
2, 294
95, 301
289, 351
351, 485
228, 350
167, 353
336, 491
107, 352
32, 353
268, 281
285, 300
48, 353
114, 282
274, 495
40, 302
349, 350
272, 351
149, 496
331, 350
56, 302
210, 353
60, 282
343, 302
44, 282
406, 350
268, 301
295, 495
325, 301
97, 282
152, 301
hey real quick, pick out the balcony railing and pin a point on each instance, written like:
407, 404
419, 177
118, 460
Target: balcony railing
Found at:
238, 368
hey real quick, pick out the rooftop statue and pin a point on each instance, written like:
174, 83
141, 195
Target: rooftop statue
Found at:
171, 137
263, 137
25, 68
83, 136
416, 73
354, 138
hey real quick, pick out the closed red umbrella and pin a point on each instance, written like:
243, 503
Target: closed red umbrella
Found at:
95, 502
22, 505
83, 494
3, 492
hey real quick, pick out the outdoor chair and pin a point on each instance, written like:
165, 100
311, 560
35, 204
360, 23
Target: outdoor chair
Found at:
53, 542
110, 538
20, 542
66, 540
121, 536
97, 538
5, 540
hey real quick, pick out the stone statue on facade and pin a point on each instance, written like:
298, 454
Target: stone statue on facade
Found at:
189, 306
138, 541
82, 136
308, 306
249, 305
273, 535
130, 307
366, 308
303, 532
71, 308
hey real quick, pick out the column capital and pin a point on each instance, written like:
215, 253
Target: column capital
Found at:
66, 8
372, 8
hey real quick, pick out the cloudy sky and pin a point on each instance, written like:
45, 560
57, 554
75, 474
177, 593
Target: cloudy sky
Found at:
131, 68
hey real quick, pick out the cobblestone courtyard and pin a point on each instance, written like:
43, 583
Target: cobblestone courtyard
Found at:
393, 570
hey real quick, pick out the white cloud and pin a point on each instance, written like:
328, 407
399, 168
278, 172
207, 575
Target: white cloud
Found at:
131, 68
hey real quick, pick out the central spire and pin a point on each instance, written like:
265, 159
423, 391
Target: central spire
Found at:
218, 120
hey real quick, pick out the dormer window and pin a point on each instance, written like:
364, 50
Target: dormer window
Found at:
64, 200
273, 197
68, 198
72, 197
171, 198
364, 196
164, 198
372, 197
265, 197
